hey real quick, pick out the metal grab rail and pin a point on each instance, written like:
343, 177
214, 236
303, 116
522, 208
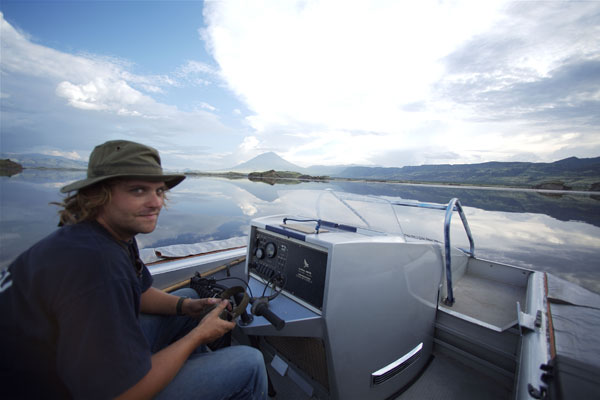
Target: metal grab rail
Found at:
453, 205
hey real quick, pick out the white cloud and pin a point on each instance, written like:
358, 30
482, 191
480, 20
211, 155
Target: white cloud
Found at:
87, 81
249, 144
194, 67
196, 73
207, 106
345, 81
332, 82
346, 65
99, 94
72, 155
84, 99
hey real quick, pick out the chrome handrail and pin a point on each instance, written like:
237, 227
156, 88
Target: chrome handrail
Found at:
453, 205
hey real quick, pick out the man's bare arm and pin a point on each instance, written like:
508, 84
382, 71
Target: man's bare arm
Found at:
167, 362
154, 301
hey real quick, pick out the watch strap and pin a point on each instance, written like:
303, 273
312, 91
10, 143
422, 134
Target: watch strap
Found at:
179, 307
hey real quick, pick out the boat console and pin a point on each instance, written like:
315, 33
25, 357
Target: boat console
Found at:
353, 307
342, 303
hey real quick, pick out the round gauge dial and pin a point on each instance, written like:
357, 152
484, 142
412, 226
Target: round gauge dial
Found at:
271, 249
259, 253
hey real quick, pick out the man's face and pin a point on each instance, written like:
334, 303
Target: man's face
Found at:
133, 208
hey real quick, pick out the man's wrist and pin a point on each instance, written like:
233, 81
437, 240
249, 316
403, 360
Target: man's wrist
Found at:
179, 306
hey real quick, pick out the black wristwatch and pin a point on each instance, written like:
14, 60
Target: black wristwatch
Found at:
180, 305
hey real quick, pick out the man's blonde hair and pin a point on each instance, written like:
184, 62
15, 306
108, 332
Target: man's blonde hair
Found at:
85, 204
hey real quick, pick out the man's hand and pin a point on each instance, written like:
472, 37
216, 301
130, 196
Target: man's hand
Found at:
212, 327
154, 301
197, 307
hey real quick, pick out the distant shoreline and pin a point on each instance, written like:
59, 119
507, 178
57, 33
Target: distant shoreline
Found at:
237, 175
290, 177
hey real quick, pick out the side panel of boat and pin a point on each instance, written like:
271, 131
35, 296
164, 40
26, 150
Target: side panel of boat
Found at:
380, 305
535, 348
172, 272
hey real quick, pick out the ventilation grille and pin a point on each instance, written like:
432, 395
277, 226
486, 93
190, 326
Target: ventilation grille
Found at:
308, 354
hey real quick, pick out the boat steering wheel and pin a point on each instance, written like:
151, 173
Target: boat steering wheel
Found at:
229, 294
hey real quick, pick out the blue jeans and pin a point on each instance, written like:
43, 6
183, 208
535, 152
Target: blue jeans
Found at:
235, 372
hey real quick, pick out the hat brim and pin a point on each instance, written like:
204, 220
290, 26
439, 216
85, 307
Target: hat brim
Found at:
171, 180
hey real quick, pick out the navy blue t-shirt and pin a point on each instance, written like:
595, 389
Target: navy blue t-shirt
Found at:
69, 309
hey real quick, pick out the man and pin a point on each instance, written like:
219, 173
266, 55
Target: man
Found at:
70, 324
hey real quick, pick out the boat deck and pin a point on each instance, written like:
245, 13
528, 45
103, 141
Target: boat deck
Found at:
444, 379
491, 303
447, 378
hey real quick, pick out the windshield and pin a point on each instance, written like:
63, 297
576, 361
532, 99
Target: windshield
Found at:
366, 212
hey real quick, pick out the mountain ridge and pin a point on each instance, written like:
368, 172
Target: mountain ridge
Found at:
38, 160
568, 173
572, 172
265, 162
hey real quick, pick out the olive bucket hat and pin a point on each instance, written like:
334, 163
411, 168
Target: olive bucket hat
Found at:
122, 158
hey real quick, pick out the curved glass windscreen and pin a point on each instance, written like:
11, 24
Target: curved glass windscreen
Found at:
365, 212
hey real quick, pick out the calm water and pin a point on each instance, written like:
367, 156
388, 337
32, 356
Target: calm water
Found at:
554, 233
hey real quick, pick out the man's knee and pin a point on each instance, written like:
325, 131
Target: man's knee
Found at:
253, 364
248, 356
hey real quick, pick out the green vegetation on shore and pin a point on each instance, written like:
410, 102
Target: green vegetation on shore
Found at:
567, 174
272, 174
9, 168
228, 175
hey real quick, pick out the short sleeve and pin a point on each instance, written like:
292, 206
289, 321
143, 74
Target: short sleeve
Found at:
147, 279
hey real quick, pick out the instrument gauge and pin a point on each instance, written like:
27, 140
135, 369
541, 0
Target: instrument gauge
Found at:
259, 253
271, 249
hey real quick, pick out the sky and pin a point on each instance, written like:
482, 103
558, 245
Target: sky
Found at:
383, 83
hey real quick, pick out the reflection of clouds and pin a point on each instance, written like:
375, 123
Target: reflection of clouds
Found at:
524, 229
247, 202
9, 236
503, 230
535, 241
539, 242
588, 281
56, 185
206, 209
204, 192
248, 209
223, 191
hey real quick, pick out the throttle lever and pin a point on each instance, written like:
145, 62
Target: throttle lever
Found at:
260, 307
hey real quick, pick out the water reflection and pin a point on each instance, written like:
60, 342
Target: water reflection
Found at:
555, 234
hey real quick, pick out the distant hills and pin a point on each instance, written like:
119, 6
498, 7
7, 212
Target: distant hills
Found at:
265, 162
36, 160
9, 168
569, 173
271, 161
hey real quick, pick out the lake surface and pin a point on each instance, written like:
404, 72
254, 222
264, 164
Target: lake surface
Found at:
558, 233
